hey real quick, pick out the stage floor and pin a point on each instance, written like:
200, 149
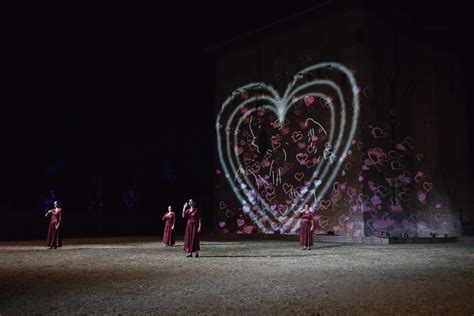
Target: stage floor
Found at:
139, 275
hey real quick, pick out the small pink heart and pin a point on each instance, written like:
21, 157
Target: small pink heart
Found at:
351, 192
311, 163
419, 176
270, 196
301, 158
248, 229
325, 204
297, 136
311, 148
394, 155
403, 196
397, 165
400, 147
377, 132
421, 196
222, 224
287, 187
299, 176
308, 100
427, 186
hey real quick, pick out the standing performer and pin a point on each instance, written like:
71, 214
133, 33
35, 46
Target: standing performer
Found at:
54, 240
193, 228
168, 234
306, 228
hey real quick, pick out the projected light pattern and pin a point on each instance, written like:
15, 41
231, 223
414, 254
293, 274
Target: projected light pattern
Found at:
256, 190
385, 189
279, 152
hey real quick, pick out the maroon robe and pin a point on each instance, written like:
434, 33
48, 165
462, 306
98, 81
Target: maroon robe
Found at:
191, 236
168, 234
306, 234
53, 234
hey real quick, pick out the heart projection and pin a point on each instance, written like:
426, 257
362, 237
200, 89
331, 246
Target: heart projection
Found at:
260, 152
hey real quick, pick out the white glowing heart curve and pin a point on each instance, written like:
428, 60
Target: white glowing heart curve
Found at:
253, 204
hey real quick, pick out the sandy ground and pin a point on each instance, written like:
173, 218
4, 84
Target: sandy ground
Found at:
140, 276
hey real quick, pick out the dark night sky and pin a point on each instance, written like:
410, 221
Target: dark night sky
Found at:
112, 88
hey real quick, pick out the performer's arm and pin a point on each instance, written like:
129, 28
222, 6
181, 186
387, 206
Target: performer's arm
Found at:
199, 226
184, 208
47, 213
312, 223
174, 220
163, 218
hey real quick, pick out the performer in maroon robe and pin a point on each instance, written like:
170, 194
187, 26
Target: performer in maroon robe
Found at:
168, 234
193, 228
54, 240
306, 228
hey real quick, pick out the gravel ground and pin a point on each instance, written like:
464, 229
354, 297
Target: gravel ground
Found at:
140, 276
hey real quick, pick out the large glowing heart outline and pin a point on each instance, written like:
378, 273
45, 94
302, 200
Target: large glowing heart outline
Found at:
272, 109
282, 107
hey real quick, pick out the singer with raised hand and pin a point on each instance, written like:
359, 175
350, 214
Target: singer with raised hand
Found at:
193, 228
54, 240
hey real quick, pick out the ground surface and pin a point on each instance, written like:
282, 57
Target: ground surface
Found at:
139, 276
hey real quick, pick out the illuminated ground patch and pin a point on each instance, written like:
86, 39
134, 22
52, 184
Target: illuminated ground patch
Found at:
139, 275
